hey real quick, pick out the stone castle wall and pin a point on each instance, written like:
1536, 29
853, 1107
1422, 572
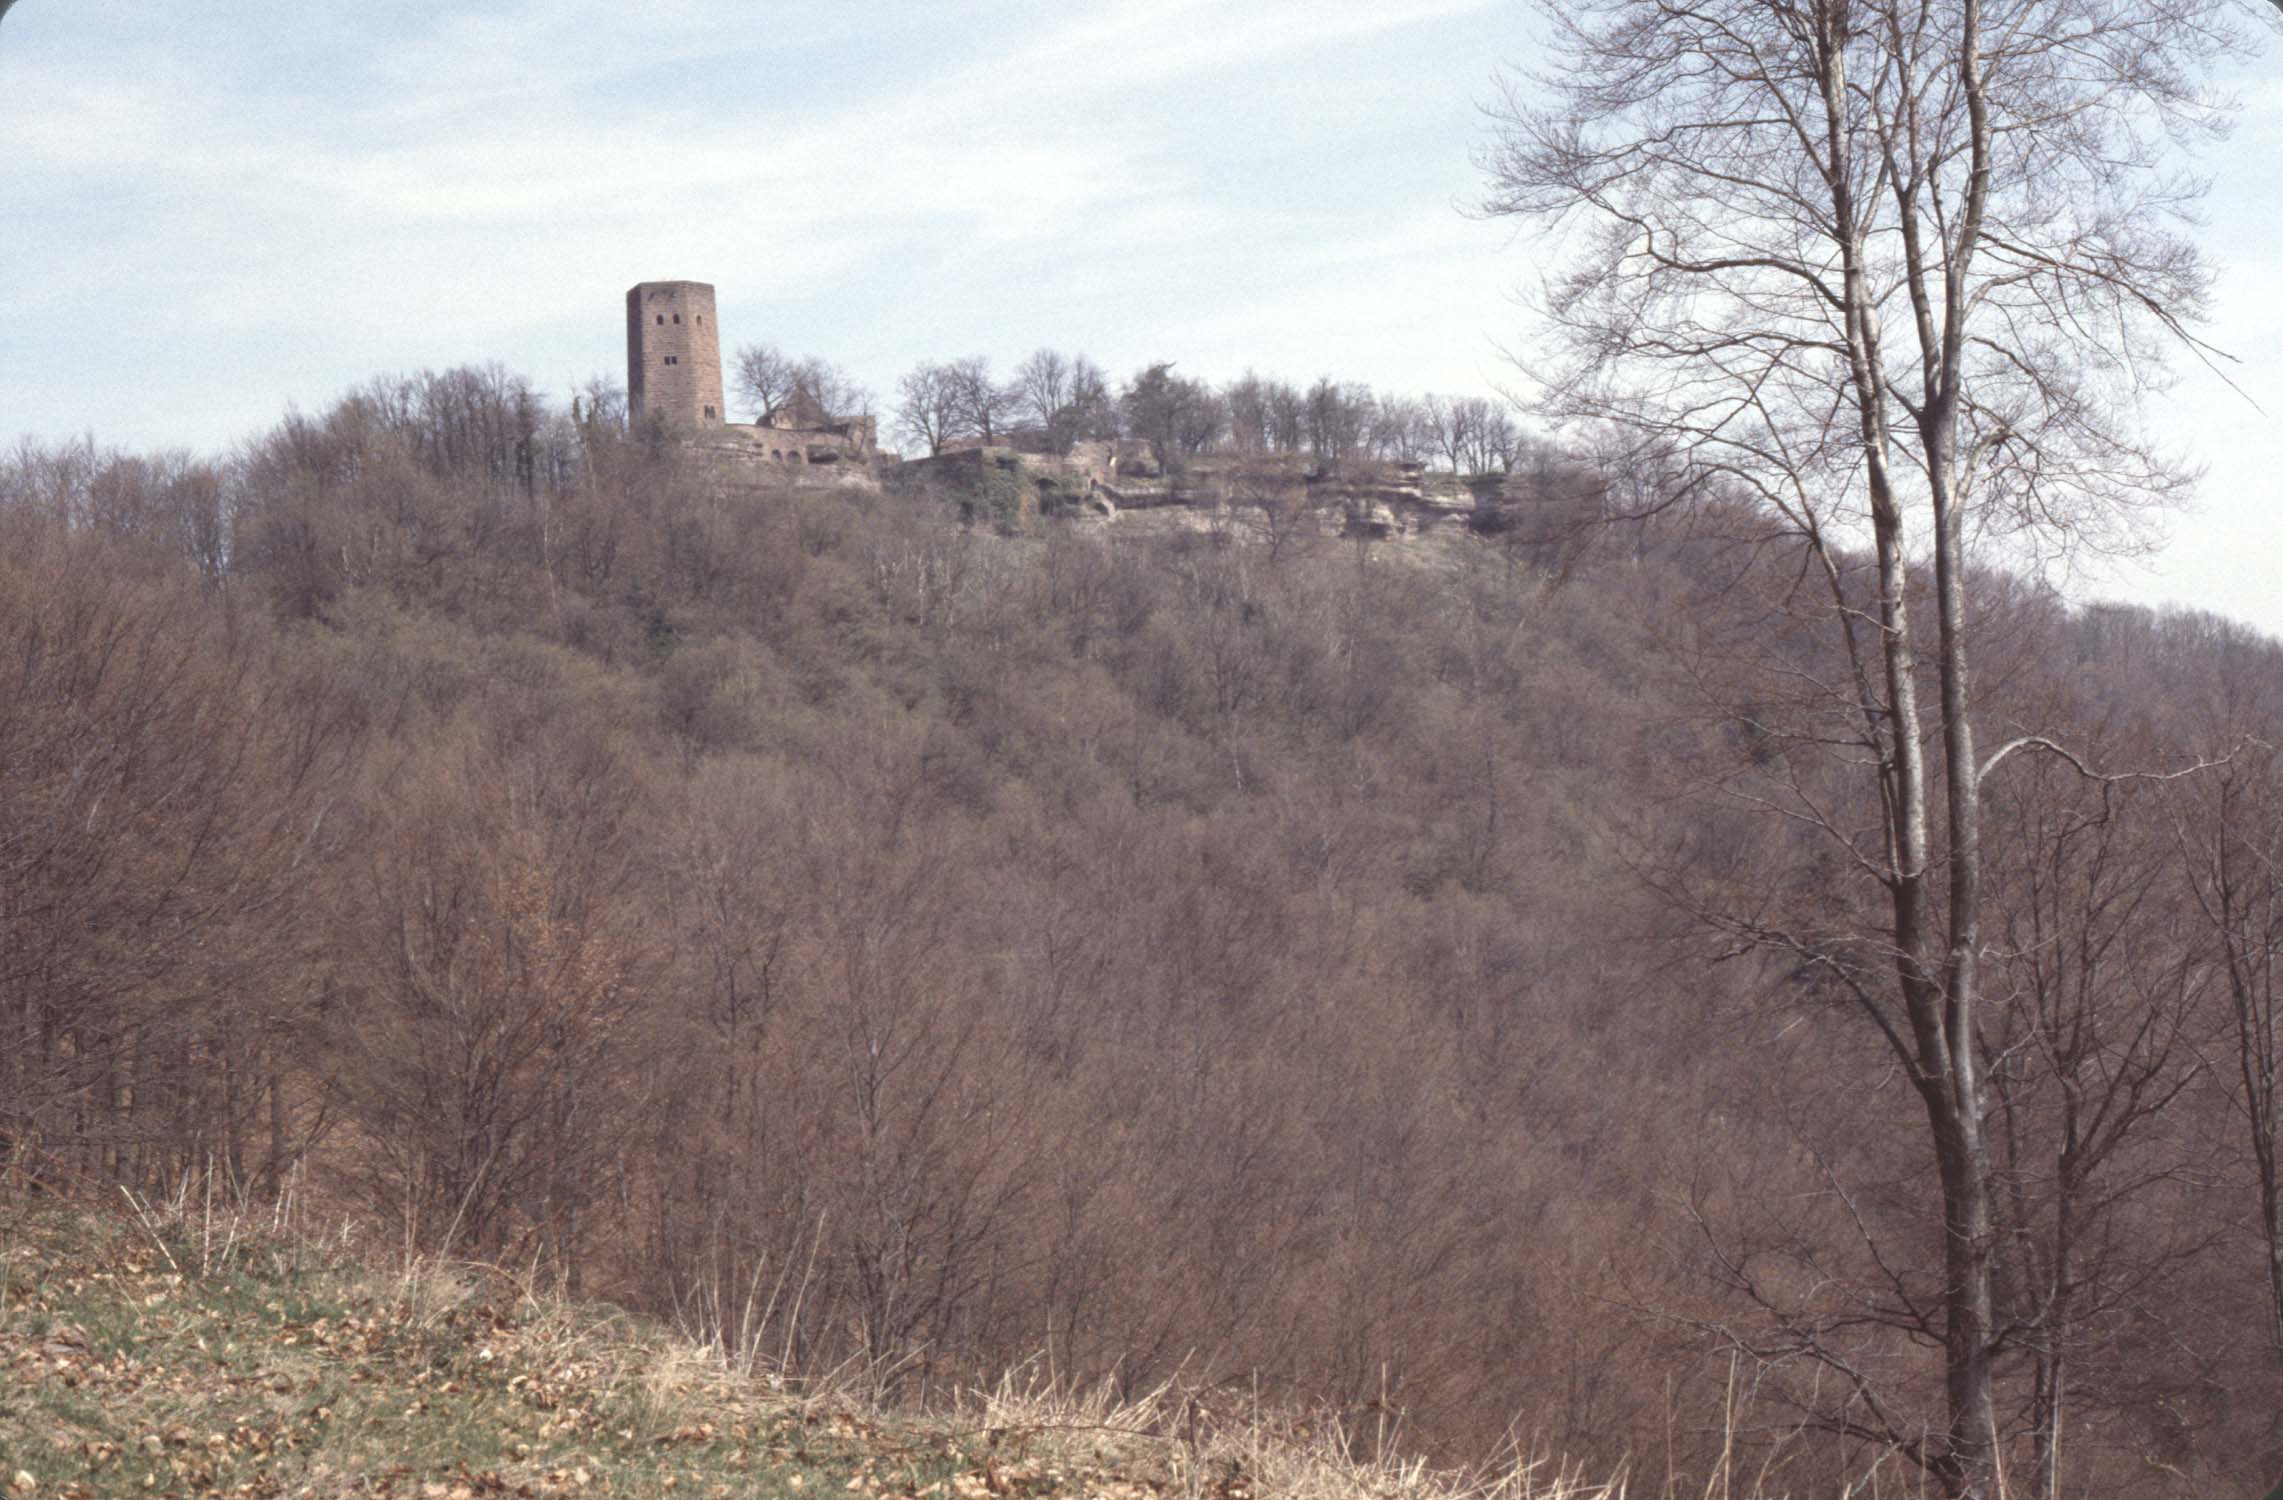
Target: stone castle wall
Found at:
673, 354
844, 448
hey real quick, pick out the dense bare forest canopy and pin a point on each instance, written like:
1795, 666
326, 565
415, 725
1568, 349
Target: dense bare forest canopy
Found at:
870, 937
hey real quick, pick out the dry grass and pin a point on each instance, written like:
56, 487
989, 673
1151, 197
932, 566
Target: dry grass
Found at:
188, 1350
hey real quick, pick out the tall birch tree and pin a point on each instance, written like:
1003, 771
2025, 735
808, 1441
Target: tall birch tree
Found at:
1901, 272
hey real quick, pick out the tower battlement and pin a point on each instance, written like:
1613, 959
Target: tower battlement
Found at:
673, 354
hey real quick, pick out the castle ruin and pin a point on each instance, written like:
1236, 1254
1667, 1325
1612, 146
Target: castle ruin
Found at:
673, 355
674, 379
673, 376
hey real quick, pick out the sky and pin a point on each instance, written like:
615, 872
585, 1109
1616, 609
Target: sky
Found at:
212, 210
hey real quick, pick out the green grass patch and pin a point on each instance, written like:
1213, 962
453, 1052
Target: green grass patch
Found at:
122, 1372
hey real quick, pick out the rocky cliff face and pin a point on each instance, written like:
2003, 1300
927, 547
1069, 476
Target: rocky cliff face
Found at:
1106, 483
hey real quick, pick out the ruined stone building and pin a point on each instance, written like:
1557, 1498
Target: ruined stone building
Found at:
802, 432
673, 374
673, 355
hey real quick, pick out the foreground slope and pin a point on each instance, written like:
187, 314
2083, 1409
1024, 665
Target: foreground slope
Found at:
198, 1358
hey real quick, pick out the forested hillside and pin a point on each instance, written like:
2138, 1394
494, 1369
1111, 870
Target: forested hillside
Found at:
1323, 968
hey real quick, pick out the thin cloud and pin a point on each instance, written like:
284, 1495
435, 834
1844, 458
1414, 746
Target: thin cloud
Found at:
1154, 40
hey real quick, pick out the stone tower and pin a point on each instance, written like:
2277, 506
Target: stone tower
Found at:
673, 354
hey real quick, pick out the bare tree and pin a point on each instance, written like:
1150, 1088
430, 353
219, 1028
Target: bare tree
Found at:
928, 405
2100, 1036
764, 379
493, 1058
1093, 408
1439, 418
1176, 416
164, 816
982, 403
1502, 440
1246, 401
1287, 416
769, 381
2233, 838
1041, 394
1763, 186
837, 395
1338, 419
1399, 429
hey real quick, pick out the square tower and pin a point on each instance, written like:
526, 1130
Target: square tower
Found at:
673, 354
